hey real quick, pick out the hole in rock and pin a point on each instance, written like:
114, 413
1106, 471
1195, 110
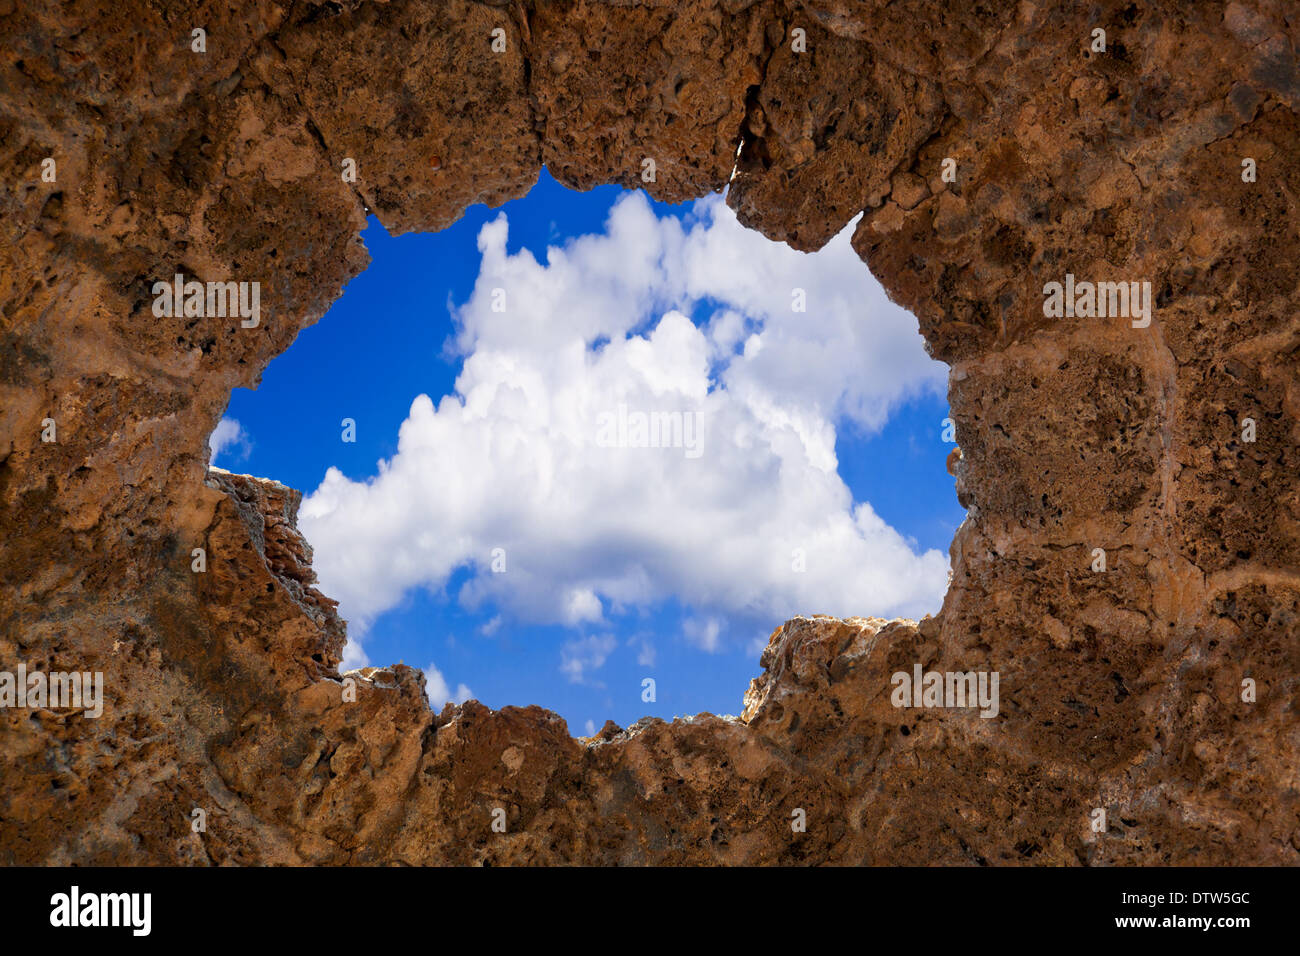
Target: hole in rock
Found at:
589, 440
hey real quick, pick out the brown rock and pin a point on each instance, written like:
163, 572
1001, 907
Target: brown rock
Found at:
1120, 688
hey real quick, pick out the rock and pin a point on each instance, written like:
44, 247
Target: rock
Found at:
987, 154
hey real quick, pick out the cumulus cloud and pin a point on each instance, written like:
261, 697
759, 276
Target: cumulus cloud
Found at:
567, 442
703, 633
581, 656
439, 692
228, 436
646, 653
354, 655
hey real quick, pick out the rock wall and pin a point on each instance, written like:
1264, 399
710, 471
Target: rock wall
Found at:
1121, 689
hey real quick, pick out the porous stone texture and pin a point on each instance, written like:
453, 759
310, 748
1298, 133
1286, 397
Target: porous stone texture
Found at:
1120, 689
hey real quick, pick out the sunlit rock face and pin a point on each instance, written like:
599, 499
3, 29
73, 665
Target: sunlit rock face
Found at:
1130, 567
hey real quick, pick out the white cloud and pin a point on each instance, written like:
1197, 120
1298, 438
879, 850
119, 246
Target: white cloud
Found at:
582, 655
512, 459
646, 654
439, 692
582, 605
228, 436
354, 657
703, 634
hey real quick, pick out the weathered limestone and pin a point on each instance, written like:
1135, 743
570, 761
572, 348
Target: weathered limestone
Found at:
1120, 689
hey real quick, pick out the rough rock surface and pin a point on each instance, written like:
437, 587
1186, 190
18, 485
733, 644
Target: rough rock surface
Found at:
1120, 689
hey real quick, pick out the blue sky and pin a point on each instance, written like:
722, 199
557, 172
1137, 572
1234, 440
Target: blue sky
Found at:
484, 527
